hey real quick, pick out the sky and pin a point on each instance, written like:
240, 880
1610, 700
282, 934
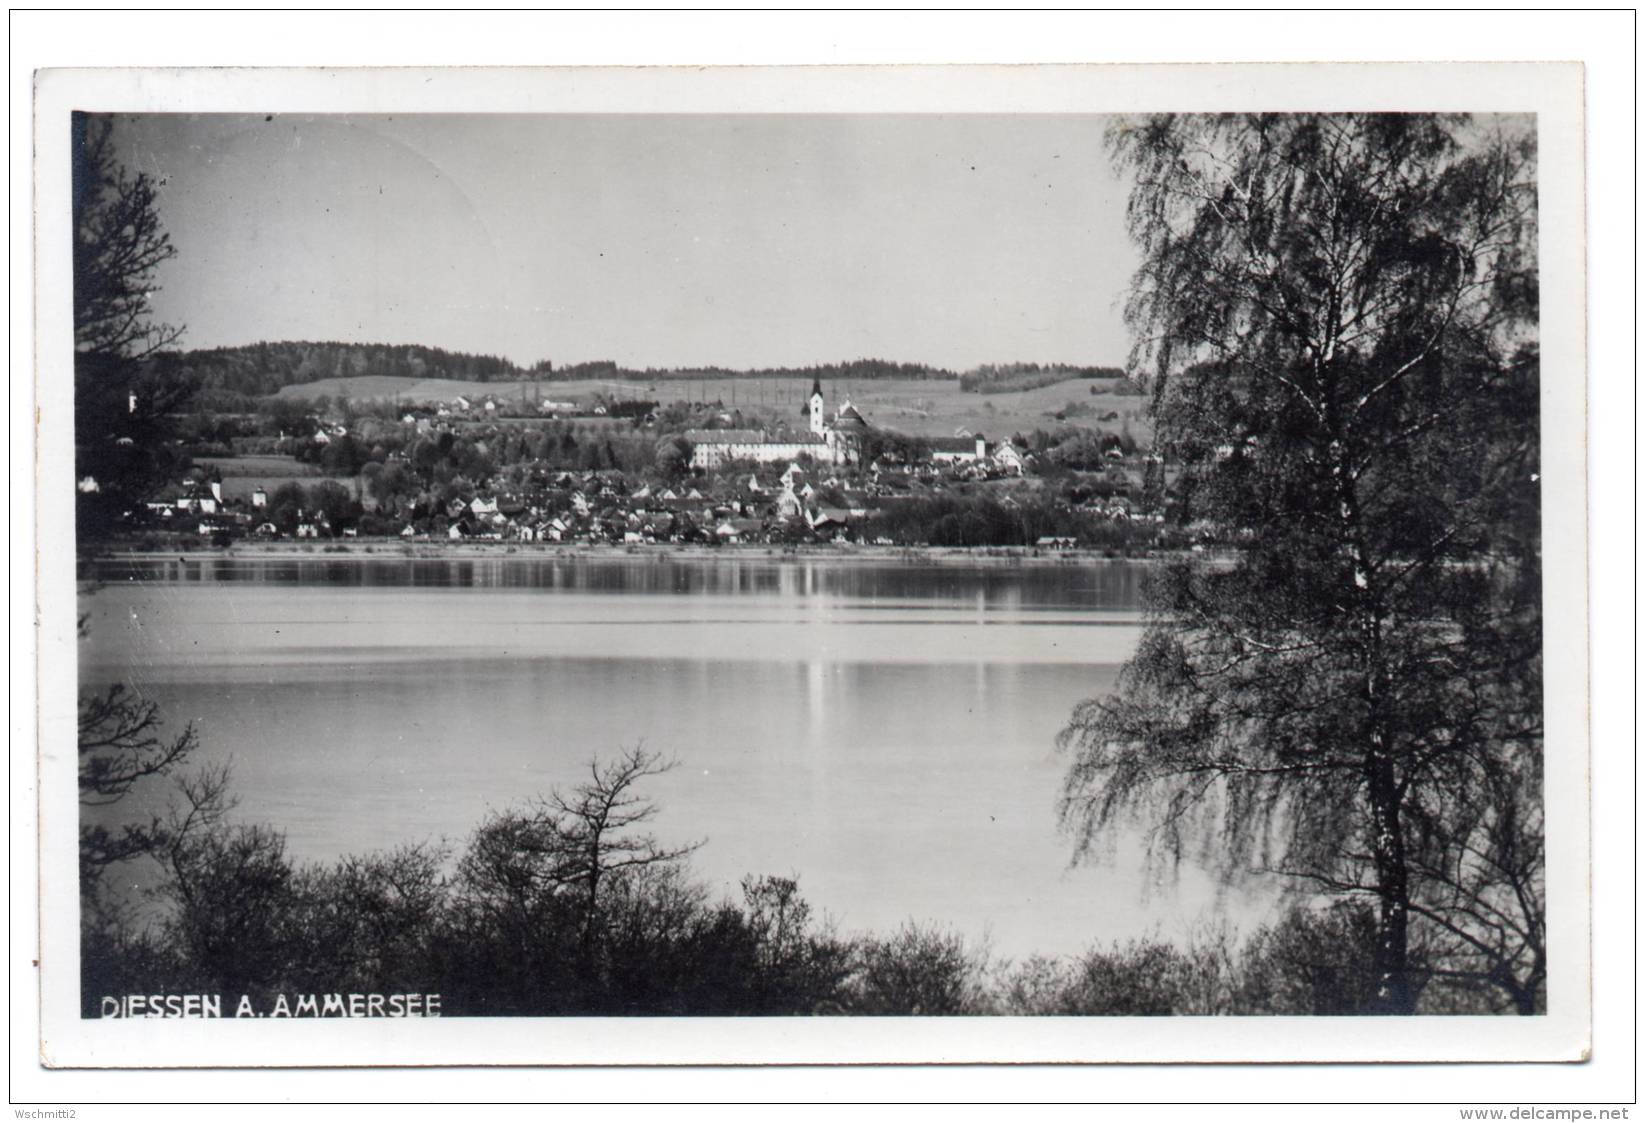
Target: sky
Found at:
651, 240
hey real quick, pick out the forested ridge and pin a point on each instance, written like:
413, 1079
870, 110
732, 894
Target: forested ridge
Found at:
264, 368
260, 369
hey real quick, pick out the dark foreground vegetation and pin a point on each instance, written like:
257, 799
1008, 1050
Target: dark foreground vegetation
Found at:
568, 905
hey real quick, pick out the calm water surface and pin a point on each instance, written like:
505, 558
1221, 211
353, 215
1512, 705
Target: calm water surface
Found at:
883, 731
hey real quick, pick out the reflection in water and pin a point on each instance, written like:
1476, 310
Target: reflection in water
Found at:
816, 696
883, 731
1106, 584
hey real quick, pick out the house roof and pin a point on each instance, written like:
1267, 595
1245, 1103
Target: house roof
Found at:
724, 436
749, 437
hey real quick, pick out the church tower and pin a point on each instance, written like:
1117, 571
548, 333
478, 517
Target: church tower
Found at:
817, 424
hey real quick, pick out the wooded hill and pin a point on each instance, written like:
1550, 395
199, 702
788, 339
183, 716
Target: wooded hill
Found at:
260, 369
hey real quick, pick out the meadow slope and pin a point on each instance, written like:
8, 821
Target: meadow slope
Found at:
925, 407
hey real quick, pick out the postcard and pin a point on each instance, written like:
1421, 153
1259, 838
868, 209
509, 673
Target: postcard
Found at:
812, 566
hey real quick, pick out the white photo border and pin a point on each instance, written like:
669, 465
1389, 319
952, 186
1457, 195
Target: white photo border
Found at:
1552, 91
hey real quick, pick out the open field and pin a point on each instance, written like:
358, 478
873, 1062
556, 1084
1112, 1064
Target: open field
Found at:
925, 407
257, 465
374, 386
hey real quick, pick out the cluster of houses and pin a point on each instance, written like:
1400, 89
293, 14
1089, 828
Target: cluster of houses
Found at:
975, 457
601, 508
200, 506
827, 492
430, 416
201, 499
815, 502
606, 507
490, 407
839, 441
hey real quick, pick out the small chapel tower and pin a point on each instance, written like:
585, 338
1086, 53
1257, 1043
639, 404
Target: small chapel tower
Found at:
818, 425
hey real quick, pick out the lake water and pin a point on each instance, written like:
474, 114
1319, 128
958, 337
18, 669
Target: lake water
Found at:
884, 731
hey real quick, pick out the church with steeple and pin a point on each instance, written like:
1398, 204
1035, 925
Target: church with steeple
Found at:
829, 441
844, 433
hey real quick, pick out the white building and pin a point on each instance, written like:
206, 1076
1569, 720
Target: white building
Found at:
833, 442
974, 450
959, 450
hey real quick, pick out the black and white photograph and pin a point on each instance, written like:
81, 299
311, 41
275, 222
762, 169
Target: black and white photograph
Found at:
1087, 580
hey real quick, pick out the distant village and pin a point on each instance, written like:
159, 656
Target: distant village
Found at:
484, 469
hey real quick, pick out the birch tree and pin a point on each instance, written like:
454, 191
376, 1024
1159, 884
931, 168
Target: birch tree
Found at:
1339, 315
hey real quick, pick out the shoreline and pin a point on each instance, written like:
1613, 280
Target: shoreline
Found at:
394, 550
